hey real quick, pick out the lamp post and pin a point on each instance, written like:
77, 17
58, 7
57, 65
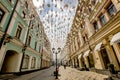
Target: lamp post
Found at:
56, 52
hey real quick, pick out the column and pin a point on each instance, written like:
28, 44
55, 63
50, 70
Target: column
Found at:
2, 55
112, 57
99, 61
117, 50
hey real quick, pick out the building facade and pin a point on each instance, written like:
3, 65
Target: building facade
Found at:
94, 40
20, 37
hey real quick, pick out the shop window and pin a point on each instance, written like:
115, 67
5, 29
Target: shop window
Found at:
18, 32
103, 19
95, 25
111, 9
2, 13
33, 62
25, 62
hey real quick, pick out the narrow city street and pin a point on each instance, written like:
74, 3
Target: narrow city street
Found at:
64, 74
59, 39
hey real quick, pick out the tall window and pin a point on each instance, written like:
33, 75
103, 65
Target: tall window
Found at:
90, 10
111, 9
35, 45
18, 32
2, 13
33, 62
26, 4
29, 40
102, 19
25, 62
95, 25
95, 1
23, 14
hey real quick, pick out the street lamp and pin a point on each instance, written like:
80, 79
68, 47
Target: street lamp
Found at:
56, 52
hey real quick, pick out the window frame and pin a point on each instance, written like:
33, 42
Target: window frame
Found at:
103, 19
18, 32
3, 14
111, 7
26, 62
95, 25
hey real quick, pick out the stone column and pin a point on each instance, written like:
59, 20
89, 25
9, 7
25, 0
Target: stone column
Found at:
99, 64
112, 57
111, 54
2, 56
117, 50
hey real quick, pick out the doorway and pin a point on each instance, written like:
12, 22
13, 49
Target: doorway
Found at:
10, 63
105, 57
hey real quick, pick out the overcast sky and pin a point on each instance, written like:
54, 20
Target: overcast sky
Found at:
57, 17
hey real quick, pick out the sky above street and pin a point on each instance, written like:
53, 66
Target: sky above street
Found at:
57, 17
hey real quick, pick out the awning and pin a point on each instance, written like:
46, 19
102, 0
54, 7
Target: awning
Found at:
115, 38
79, 56
98, 46
86, 53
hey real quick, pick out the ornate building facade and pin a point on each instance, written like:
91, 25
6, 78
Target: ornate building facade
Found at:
21, 38
94, 39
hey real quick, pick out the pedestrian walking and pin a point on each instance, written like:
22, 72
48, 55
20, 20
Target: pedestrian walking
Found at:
64, 66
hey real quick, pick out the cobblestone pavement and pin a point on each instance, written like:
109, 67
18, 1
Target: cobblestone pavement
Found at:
73, 74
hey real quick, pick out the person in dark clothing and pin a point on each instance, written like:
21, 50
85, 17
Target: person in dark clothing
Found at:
64, 66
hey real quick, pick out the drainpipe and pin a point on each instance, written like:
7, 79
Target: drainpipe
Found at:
41, 58
25, 46
7, 27
42, 51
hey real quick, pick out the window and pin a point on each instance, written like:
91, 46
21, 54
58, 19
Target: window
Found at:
23, 14
2, 13
29, 40
26, 4
95, 25
18, 32
95, 1
111, 9
10, 0
33, 62
25, 62
35, 45
102, 19
90, 10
